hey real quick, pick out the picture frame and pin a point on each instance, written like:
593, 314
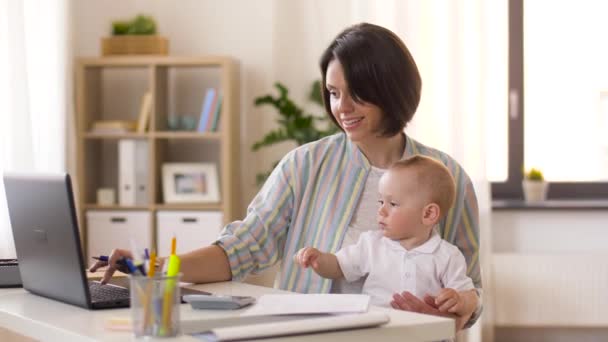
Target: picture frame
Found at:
190, 183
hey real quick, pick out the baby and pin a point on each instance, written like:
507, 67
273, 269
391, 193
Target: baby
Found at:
406, 253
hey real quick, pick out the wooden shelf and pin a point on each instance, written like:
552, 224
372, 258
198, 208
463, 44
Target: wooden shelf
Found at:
111, 88
129, 135
188, 206
152, 60
92, 206
187, 135
158, 135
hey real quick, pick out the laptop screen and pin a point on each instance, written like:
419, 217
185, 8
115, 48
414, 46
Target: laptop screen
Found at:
47, 239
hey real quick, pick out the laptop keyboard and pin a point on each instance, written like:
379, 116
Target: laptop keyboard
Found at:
107, 293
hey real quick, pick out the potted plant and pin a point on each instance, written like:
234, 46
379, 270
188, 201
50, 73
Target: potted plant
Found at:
134, 37
534, 185
294, 124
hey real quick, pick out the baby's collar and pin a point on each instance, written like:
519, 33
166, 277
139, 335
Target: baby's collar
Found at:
428, 247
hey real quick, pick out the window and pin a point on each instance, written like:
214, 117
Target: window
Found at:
558, 98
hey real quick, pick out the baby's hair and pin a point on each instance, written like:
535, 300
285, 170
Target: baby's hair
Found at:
431, 174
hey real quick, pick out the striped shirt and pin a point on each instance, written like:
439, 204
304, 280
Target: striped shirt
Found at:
309, 200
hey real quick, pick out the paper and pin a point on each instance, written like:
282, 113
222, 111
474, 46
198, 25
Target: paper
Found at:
291, 304
295, 327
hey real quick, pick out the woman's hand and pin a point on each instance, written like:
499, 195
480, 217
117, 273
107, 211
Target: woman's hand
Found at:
408, 302
450, 300
113, 258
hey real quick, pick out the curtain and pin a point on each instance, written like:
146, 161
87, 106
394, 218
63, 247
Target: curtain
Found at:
33, 93
460, 47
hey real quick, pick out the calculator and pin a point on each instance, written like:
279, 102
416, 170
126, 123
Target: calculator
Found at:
218, 302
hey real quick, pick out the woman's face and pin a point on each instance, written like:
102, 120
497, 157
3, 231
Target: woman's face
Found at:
360, 121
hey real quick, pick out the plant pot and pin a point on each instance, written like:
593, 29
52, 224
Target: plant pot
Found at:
134, 45
535, 191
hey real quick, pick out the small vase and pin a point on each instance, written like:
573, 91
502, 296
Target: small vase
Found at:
535, 191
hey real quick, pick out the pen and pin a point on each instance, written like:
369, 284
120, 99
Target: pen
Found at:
172, 271
132, 268
106, 258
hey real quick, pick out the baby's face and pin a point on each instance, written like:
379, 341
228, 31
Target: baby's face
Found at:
401, 204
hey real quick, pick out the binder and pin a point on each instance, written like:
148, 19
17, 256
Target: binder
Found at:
132, 172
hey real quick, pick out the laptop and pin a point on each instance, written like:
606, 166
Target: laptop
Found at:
47, 242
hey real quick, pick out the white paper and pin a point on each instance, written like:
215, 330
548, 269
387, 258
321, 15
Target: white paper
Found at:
295, 327
291, 304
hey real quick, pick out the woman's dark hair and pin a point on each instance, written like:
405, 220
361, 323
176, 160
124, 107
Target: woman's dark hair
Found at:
378, 69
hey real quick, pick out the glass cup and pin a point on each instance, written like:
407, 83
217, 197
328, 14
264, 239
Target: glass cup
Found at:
155, 305
173, 123
188, 123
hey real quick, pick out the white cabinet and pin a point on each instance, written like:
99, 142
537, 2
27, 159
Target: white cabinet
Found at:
108, 230
192, 229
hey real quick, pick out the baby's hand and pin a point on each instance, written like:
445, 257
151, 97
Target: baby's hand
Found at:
307, 257
449, 300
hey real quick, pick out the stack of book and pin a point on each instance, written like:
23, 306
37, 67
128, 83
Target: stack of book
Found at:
125, 126
210, 114
113, 126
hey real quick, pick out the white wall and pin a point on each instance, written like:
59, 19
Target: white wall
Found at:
545, 261
550, 231
274, 41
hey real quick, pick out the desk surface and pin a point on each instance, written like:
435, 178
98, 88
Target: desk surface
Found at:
48, 320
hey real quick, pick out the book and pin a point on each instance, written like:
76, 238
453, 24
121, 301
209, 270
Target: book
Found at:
212, 109
145, 112
210, 94
216, 115
113, 126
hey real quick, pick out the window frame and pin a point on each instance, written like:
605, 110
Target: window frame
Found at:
512, 188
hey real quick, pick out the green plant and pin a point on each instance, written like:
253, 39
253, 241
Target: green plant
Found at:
120, 28
534, 175
140, 25
294, 124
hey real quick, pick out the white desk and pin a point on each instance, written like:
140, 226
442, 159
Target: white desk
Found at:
47, 320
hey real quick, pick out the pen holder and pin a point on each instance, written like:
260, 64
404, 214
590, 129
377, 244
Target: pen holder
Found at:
155, 305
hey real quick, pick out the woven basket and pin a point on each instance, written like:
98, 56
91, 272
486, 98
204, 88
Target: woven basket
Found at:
134, 45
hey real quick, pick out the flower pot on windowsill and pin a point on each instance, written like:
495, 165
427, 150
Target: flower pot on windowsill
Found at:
535, 191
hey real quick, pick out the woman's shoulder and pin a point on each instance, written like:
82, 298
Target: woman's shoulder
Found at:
327, 145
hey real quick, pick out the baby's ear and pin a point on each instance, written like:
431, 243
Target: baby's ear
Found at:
430, 214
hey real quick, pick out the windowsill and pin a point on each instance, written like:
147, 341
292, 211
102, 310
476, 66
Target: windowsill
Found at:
517, 204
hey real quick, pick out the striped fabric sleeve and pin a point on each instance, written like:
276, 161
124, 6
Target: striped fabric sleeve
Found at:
256, 242
467, 239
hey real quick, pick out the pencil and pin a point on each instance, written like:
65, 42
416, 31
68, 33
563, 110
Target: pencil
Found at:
152, 268
173, 244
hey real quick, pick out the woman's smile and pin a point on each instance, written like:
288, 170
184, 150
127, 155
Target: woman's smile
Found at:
352, 123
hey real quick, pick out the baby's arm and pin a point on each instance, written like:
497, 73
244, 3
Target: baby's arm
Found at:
324, 264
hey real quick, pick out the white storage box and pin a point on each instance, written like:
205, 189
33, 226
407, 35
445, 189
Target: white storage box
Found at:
108, 230
192, 229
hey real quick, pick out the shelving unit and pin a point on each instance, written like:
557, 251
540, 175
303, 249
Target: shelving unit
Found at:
110, 88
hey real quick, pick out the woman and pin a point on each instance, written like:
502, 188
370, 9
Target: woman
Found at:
324, 194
